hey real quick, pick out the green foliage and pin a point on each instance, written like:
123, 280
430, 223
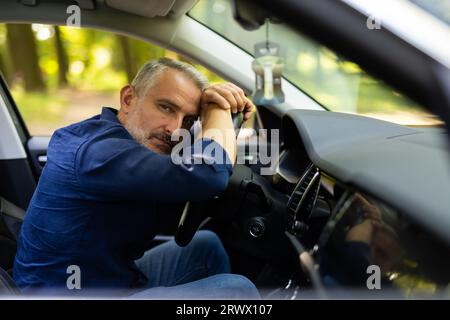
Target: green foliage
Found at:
40, 108
95, 57
98, 66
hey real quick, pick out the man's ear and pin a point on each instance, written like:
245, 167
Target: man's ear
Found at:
127, 95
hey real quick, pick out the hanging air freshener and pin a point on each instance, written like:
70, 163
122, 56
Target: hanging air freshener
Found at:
268, 68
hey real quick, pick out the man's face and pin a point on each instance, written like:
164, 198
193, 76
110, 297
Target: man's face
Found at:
172, 102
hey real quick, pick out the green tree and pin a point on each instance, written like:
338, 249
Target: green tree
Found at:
3, 68
131, 54
61, 56
127, 57
4, 65
23, 52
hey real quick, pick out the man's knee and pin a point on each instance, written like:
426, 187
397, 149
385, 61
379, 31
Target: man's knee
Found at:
208, 245
206, 235
207, 239
238, 286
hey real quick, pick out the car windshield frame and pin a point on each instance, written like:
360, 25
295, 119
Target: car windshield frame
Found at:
440, 9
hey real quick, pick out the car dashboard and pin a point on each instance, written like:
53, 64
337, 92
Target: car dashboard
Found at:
357, 238
364, 198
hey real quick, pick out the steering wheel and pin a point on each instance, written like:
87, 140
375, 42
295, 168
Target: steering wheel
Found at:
193, 215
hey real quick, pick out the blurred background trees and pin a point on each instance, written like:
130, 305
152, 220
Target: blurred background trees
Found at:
60, 75
62, 59
23, 54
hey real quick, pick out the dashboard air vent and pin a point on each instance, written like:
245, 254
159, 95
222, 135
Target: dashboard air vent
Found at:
304, 195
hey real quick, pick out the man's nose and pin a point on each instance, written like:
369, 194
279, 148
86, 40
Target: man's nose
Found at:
174, 124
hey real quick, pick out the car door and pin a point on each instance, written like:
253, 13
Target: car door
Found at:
17, 175
18, 172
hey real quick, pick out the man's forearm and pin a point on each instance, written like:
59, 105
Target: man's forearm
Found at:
218, 126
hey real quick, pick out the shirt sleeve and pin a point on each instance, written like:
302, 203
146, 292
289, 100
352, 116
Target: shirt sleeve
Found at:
120, 168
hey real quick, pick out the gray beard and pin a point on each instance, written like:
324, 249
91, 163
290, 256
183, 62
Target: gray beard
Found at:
132, 126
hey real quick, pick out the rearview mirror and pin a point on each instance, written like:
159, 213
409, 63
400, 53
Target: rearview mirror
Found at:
249, 15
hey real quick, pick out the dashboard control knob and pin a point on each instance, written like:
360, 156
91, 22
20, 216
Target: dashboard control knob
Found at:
256, 227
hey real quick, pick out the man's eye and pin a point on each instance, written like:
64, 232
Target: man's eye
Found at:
165, 108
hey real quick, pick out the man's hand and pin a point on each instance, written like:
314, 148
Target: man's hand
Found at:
228, 96
364, 231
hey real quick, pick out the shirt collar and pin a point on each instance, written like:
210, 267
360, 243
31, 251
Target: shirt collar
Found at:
109, 114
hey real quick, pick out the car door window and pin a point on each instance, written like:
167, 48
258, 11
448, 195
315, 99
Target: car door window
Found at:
62, 75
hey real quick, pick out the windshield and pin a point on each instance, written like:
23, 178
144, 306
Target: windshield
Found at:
331, 80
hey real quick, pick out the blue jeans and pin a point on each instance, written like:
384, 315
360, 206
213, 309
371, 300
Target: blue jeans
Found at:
201, 270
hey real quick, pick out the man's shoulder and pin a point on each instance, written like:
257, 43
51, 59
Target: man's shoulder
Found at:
90, 128
70, 138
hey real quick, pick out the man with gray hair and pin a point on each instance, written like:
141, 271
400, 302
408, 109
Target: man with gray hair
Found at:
108, 182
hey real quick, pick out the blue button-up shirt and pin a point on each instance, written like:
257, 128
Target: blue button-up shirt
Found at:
99, 202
